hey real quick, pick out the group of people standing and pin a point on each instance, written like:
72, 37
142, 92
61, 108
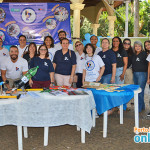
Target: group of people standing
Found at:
58, 63
119, 63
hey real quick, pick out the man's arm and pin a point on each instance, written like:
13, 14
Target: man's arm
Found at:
23, 73
3, 74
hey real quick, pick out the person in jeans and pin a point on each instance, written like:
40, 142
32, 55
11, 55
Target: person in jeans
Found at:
129, 74
139, 67
122, 60
147, 49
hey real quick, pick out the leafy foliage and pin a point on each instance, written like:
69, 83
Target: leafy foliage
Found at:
144, 12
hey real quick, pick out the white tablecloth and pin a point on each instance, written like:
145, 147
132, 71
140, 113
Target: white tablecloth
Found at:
48, 110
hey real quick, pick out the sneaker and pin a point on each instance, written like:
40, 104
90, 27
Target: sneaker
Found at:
148, 115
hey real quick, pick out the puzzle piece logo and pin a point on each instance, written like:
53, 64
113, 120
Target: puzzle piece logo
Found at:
90, 65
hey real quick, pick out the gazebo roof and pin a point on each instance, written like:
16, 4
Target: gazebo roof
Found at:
87, 3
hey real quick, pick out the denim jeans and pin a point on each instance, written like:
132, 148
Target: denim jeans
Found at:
140, 79
106, 79
117, 77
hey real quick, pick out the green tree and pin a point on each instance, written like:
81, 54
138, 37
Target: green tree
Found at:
144, 12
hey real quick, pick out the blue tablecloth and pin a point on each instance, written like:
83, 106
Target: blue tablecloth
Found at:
107, 100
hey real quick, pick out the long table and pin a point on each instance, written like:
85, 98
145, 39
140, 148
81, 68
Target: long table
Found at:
107, 100
48, 111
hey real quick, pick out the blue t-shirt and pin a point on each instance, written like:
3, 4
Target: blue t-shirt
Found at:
64, 62
45, 67
108, 58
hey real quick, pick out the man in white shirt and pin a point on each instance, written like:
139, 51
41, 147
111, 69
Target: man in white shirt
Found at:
94, 41
22, 47
80, 58
4, 53
13, 67
61, 35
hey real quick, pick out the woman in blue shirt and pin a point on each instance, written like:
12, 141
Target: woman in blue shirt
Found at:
45, 74
64, 63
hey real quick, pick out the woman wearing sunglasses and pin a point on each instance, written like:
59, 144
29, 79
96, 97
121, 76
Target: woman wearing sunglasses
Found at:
129, 50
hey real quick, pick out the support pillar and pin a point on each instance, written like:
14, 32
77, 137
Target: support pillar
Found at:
76, 6
95, 27
126, 21
111, 25
136, 18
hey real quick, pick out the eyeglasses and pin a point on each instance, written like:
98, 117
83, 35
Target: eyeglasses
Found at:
126, 43
43, 49
78, 45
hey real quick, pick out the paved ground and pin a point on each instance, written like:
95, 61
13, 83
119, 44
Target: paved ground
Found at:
66, 137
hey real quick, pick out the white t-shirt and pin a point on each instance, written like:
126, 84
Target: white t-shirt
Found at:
59, 47
4, 54
22, 50
148, 58
92, 67
97, 50
80, 62
14, 70
51, 52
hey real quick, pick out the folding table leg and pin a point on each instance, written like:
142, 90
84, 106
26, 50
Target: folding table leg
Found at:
136, 109
105, 119
93, 116
82, 136
121, 114
19, 132
25, 131
46, 130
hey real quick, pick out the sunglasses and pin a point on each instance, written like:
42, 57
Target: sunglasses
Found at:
78, 45
126, 43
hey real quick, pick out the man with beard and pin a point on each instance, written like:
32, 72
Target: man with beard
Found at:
13, 67
62, 35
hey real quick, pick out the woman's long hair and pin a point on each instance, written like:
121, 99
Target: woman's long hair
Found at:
28, 52
147, 51
52, 45
130, 50
120, 48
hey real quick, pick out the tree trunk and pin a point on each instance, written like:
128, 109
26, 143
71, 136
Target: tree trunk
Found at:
136, 18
